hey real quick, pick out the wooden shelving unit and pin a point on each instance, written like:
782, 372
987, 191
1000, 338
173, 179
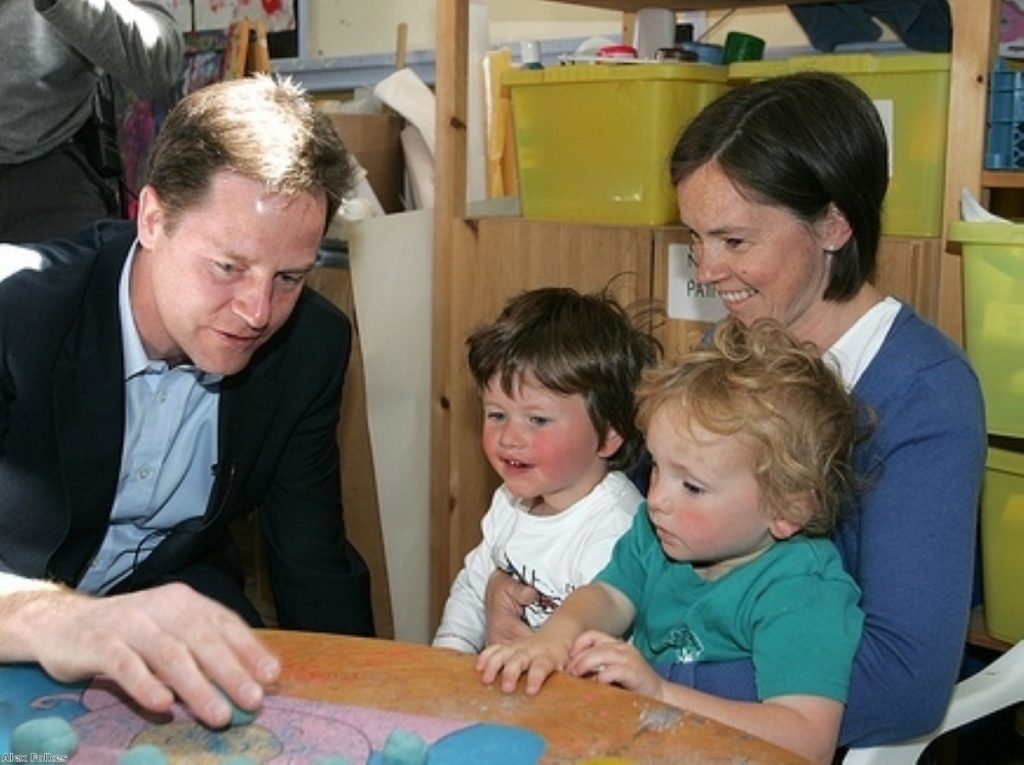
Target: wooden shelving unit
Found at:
480, 262
1002, 179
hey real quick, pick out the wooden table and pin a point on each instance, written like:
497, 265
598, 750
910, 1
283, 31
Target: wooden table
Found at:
578, 719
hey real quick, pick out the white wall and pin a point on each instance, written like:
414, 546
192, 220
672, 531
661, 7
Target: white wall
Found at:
362, 27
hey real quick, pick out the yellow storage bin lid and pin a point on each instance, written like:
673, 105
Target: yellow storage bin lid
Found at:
976, 232
848, 64
583, 73
1005, 460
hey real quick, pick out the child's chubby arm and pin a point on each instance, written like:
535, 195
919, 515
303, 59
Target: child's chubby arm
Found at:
807, 725
593, 606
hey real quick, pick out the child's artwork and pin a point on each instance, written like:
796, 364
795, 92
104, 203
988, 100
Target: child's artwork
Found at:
287, 731
204, 59
139, 123
1011, 28
278, 15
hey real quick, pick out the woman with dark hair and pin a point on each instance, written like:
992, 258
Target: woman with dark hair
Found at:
781, 184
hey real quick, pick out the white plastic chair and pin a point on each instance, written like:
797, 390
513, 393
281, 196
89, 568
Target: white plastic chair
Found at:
996, 687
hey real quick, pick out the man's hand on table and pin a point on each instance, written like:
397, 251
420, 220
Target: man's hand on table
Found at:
155, 644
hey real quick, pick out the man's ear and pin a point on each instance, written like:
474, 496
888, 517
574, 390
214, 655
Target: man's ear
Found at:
610, 445
150, 218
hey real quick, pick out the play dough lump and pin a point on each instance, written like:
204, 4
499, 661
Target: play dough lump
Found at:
403, 747
44, 735
239, 716
146, 754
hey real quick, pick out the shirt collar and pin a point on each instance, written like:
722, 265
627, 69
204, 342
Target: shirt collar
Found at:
136, 362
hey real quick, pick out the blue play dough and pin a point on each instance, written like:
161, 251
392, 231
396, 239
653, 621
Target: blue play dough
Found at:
403, 747
25, 690
489, 742
44, 735
480, 743
332, 759
146, 754
239, 716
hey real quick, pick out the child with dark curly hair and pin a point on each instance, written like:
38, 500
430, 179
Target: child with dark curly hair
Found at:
556, 373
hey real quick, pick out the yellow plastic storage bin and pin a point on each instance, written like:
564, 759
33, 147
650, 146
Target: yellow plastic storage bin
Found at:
993, 280
1002, 544
911, 91
593, 141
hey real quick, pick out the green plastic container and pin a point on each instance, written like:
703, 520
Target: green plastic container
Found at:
593, 140
1002, 544
911, 91
993, 281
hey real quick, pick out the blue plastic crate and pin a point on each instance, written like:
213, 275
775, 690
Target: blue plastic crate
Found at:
1004, 147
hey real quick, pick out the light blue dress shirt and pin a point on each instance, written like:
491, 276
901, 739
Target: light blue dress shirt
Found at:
169, 454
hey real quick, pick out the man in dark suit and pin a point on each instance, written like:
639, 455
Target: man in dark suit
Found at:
159, 379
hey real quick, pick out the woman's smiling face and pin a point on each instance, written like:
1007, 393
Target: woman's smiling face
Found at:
761, 259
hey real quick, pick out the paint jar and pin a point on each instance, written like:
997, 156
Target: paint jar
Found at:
740, 46
529, 54
707, 53
613, 52
675, 54
654, 28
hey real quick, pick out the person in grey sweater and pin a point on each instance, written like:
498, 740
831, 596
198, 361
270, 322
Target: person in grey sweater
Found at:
52, 53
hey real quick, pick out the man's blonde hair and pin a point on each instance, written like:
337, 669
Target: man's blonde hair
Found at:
265, 129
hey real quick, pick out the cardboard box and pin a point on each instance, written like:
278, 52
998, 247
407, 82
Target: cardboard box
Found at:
374, 140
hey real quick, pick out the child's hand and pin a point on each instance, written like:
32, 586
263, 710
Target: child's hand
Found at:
610, 660
534, 656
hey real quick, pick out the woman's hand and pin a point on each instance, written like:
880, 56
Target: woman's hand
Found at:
505, 601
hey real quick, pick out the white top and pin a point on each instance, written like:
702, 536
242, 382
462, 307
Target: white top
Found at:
856, 349
555, 554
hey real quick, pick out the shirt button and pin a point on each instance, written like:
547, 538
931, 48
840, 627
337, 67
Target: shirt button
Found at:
144, 473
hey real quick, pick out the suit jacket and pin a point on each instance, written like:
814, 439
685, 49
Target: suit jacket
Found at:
62, 406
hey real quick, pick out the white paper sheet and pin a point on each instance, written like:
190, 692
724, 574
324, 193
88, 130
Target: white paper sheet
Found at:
391, 260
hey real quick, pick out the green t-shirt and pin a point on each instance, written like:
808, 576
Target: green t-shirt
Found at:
792, 610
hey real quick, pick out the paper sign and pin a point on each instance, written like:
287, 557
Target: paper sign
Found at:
687, 298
